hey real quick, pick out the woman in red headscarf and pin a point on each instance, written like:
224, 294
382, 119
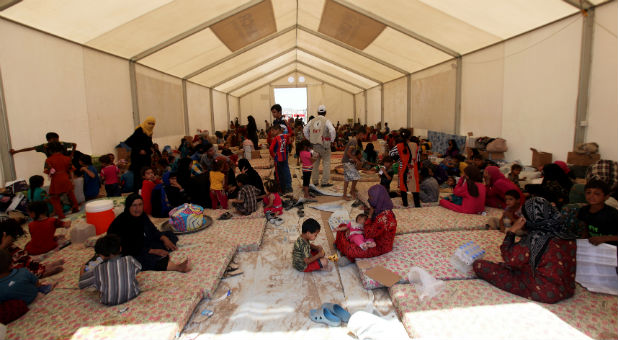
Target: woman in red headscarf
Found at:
497, 185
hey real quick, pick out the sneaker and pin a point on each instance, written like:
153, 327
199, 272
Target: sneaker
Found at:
278, 221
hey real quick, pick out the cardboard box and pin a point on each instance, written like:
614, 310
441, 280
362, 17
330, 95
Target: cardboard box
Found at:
582, 159
496, 155
539, 158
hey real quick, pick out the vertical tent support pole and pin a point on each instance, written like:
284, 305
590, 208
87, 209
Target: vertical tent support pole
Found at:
212, 112
227, 103
409, 96
382, 105
134, 101
458, 96
8, 166
365, 95
581, 115
354, 108
185, 106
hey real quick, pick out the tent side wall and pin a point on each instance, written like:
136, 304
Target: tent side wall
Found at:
433, 98
198, 106
603, 106
396, 103
374, 114
257, 104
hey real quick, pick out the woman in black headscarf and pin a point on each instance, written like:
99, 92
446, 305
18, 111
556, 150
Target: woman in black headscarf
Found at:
541, 266
254, 178
142, 240
252, 131
555, 187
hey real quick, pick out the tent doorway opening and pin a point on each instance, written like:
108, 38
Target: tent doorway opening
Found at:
293, 101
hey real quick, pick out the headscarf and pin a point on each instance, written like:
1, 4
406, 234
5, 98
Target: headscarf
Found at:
494, 174
254, 177
148, 130
563, 166
553, 172
543, 222
379, 199
130, 228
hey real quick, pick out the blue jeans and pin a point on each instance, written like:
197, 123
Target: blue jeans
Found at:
283, 175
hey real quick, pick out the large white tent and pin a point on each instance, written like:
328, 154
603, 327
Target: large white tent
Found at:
540, 73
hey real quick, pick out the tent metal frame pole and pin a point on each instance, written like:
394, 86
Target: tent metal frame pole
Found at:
8, 164
354, 108
240, 51
580, 4
458, 75
329, 74
340, 66
382, 105
398, 28
248, 69
585, 66
239, 114
134, 99
227, 103
365, 95
324, 82
351, 49
185, 106
194, 30
212, 111
259, 77
409, 101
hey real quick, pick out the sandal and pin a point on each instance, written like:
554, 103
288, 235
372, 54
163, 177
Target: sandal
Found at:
323, 315
232, 267
232, 273
225, 216
301, 213
338, 311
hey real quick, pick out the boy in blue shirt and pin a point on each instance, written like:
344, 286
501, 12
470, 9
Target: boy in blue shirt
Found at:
16, 284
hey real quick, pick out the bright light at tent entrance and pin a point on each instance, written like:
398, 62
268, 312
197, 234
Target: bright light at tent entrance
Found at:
293, 101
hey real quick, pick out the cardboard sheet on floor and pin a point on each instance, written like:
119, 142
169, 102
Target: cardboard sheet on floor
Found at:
382, 275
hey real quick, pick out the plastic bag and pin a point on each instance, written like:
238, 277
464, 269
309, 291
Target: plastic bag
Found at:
340, 216
426, 285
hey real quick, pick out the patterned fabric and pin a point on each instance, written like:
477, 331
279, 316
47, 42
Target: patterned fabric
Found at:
436, 219
439, 141
407, 165
476, 309
262, 163
160, 312
21, 259
115, 280
605, 170
300, 252
569, 216
543, 222
248, 195
278, 148
350, 173
244, 235
382, 229
551, 281
431, 251
187, 218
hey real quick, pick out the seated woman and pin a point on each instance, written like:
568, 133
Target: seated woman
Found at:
142, 240
541, 266
471, 192
497, 185
555, 187
380, 226
254, 178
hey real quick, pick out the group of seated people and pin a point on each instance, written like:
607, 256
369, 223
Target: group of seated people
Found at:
199, 173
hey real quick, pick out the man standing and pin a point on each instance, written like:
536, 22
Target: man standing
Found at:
321, 133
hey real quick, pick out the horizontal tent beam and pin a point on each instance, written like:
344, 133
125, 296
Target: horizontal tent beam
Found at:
240, 51
260, 77
331, 75
194, 30
341, 66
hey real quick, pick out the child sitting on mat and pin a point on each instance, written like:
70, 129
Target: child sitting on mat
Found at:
356, 232
112, 274
18, 284
148, 185
42, 230
512, 211
514, 174
598, 220
307, 257
272, 201
246, 202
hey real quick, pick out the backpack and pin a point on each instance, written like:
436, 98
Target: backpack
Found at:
316, 130
160, 205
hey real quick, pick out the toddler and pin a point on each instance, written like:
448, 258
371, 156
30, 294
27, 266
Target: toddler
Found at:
449, 183
92, 183
514, 174
110, 273
272, 202
42, 230
36, 193
356, 232
386, 173
307, 257
217, 186
512, 211
109, 175
150, 181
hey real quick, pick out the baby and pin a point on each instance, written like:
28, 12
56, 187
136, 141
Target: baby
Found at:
356, 232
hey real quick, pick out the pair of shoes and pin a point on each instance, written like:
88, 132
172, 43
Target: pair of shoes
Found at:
301, 212
330, 314
357, 203
276, 221
326, 185
226, 216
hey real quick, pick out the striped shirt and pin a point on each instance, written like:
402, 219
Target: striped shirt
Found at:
114, 279
247, 194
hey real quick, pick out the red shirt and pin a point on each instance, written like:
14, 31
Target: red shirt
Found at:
147, 187
110, 174
60, 179
278, 148
42, 235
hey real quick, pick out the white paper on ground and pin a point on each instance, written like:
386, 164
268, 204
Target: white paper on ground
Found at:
332, 207
596, 267
325, 192
367, 326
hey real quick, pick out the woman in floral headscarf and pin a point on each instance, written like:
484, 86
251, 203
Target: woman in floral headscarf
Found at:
141, 149
380, 226
541, 266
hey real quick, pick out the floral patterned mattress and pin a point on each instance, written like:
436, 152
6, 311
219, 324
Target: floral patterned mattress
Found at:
431, 251
159, 312
262, 163
475, 309
216, 213
436, 218
245, 234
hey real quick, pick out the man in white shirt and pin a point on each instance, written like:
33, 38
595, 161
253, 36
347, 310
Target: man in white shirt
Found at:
321, 133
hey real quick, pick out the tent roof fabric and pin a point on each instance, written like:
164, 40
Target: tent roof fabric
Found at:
235, 45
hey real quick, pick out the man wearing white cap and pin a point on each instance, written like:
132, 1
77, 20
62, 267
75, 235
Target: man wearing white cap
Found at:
320, 132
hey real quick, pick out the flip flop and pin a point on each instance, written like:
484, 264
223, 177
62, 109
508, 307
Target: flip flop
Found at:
301, 213
323, 315
338, 311
232, 267
225, 216
232, 273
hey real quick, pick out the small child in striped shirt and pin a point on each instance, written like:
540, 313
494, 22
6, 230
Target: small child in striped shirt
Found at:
110, 273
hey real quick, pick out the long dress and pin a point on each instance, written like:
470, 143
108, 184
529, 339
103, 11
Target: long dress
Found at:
139, 141
382, 229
